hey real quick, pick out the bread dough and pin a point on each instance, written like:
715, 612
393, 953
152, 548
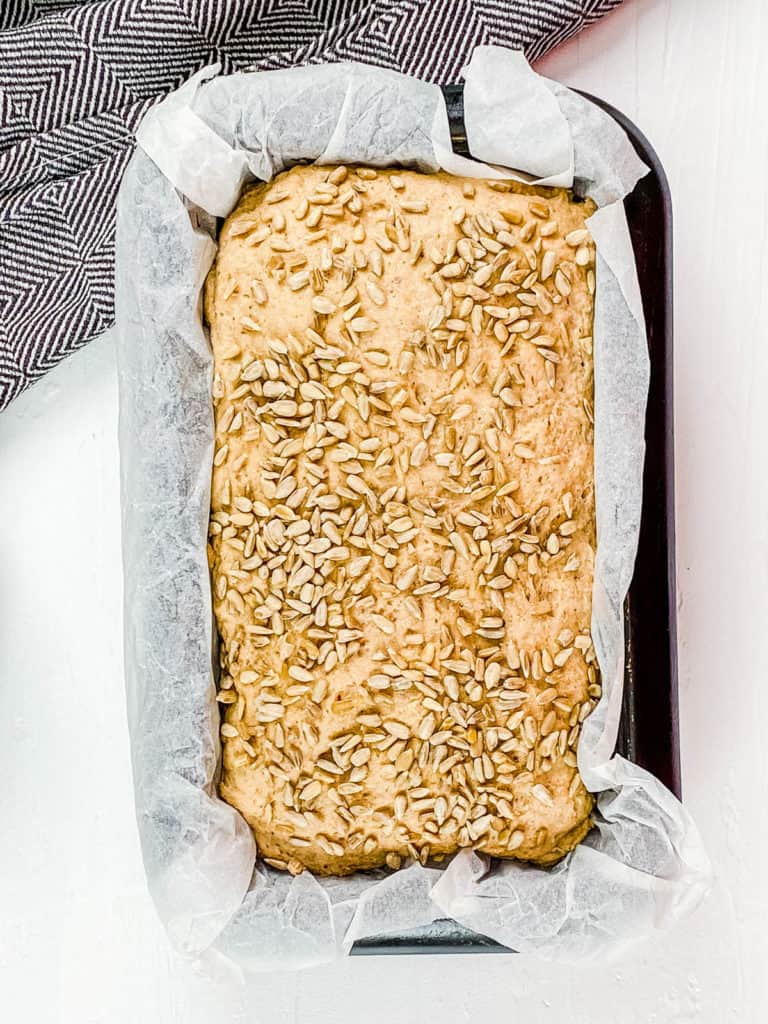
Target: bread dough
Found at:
403, 524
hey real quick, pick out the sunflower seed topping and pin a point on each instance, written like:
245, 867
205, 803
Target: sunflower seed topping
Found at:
401, 534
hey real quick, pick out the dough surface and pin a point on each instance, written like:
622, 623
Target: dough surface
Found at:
402, 529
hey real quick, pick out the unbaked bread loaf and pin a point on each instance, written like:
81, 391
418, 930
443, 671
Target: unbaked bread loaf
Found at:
402, 531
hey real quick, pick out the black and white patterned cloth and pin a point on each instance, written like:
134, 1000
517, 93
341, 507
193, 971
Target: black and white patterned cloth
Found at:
76, 77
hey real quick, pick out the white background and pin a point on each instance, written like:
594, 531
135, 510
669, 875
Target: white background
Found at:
79, 940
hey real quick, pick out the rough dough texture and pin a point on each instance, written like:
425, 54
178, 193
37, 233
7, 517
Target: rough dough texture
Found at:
402, 531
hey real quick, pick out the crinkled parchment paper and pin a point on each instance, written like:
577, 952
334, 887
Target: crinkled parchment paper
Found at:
643, 865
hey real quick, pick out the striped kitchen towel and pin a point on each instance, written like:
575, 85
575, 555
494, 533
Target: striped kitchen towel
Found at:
76, 77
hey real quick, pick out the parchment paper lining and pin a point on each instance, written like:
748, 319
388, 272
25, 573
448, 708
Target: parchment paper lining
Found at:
643, 866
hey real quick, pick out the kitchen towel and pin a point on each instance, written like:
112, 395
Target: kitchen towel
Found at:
76, 77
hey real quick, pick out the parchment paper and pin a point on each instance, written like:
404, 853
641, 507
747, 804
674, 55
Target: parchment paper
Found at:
643, 866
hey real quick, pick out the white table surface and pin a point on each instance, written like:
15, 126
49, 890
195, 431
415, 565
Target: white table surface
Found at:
79, 940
